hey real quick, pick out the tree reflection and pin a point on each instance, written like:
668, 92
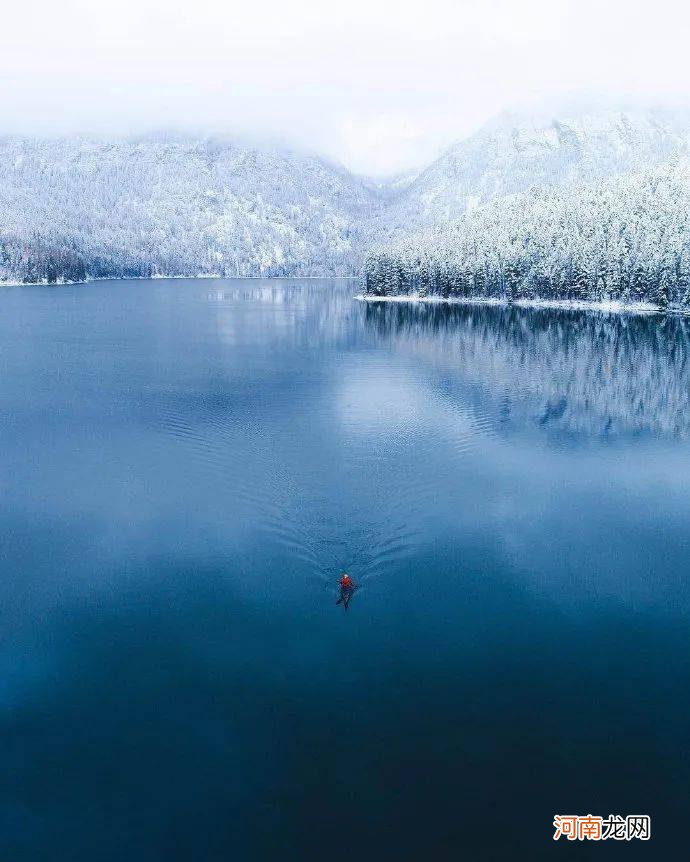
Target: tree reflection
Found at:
585, 372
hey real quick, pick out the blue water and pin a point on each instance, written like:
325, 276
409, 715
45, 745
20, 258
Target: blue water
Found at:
185, 469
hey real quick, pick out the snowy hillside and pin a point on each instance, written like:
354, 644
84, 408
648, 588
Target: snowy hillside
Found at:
625, 239
80, 208
72, 209
515, 152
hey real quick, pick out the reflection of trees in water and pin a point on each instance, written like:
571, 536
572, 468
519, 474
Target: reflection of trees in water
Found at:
581, 372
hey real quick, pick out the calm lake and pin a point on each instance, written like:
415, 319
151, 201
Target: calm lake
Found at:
187, 466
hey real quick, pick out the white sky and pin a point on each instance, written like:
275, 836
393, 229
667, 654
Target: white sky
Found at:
380, 86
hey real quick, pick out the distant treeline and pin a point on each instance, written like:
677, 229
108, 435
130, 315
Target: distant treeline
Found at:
626, 239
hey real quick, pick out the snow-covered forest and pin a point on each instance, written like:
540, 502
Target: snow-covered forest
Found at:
76, 209
624, 239
569, 206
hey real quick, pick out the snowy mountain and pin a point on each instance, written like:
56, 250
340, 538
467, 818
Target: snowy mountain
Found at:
166, 205
515, 152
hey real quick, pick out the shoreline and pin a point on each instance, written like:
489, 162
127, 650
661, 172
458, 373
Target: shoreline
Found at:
610, 306
205, 276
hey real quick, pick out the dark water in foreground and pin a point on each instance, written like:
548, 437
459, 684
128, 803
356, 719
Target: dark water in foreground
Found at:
186, 466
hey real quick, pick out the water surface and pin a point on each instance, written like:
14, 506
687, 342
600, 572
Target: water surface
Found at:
187, 466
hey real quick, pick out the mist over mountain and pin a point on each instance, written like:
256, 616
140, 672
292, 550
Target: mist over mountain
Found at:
73, 209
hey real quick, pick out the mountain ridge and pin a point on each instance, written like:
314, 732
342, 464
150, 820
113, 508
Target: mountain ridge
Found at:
172, 204
515, 151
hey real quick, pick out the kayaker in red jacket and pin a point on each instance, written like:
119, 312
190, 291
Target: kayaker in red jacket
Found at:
347, 588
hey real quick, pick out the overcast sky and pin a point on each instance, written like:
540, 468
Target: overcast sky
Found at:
380, 86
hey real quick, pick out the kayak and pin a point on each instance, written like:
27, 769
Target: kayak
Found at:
346, 594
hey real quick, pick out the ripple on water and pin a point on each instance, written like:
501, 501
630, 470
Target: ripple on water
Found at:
322, 519
340, 469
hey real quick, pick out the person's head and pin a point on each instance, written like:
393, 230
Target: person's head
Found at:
345, 577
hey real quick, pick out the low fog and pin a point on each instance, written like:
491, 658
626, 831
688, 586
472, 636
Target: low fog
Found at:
380, 87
